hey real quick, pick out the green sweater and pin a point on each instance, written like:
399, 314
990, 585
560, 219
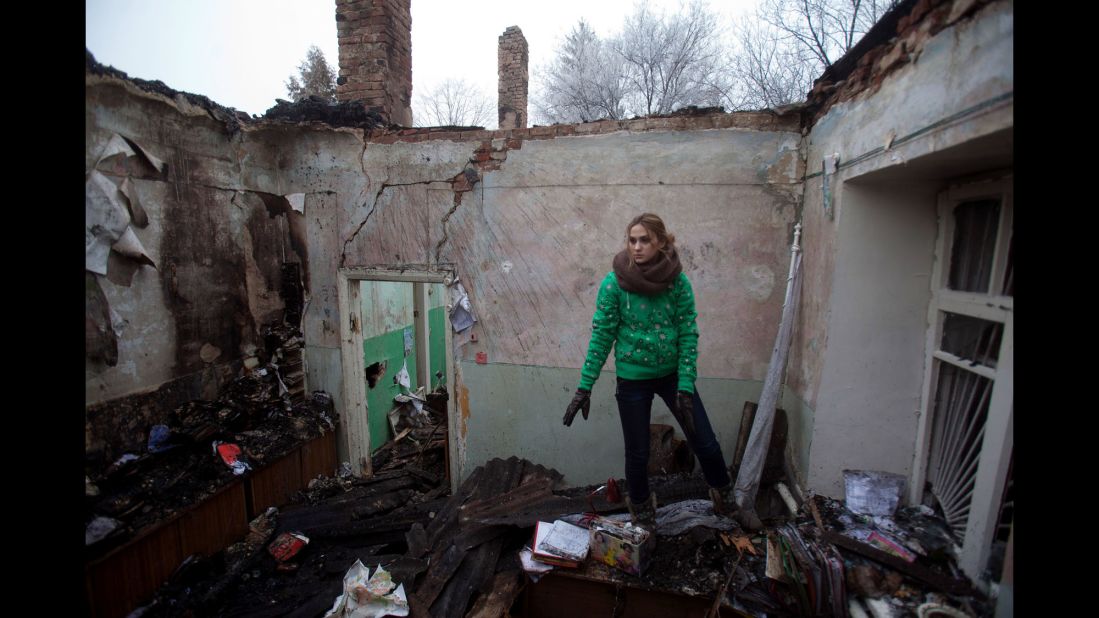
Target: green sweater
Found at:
653, 336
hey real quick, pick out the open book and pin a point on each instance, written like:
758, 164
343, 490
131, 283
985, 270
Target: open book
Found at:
560, 543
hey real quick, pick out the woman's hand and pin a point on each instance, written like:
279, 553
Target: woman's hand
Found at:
580, 401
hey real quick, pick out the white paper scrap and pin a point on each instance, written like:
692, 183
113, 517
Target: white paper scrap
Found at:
530, 565
369, 596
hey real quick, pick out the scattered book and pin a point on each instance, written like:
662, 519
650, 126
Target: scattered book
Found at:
560, 544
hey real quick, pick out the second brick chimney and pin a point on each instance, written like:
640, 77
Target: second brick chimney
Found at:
512, 88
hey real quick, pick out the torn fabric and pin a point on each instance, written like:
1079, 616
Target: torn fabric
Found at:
105, 220
759, 439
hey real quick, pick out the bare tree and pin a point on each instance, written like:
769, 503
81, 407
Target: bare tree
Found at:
671, 60
584, 82
822, 30
767, 71
786, 44
317, 78
453, 102
656, 64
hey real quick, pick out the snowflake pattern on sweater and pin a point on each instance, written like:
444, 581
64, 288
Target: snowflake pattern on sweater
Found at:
652, 336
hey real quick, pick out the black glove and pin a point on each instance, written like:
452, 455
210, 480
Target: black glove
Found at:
684, 412
580, 401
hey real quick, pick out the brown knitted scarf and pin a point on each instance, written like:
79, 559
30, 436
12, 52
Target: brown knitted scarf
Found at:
652, 277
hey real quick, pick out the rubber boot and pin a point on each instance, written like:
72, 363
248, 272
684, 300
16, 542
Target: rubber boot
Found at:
644, 514
725, 504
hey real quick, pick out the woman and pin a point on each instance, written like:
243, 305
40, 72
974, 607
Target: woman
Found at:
646, 310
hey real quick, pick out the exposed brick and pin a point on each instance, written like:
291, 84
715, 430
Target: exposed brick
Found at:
698, 123
460, 183
725, 121
543, 131
515, 144
606, 126
512, 57
893, 58
637, 124
566, 129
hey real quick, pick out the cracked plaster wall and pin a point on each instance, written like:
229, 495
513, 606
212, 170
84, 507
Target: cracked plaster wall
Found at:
219, 234
534, 236
530, 231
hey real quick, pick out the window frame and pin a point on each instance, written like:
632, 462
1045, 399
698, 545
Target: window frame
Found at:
998, 441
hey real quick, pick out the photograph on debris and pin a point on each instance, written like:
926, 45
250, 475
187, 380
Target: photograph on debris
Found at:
328, 346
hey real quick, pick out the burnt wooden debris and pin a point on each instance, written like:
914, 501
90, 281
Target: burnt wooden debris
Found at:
457, 555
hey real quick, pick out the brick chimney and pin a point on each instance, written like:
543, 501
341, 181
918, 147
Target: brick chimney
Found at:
511, 99
375, 40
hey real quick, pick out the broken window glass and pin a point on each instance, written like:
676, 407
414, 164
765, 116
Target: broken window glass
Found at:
972, 339
976, 224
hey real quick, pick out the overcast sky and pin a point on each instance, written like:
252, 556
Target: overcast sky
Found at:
240, 52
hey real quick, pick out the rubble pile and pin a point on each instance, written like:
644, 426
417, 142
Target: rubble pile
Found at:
202, 447
421, 439
458, 555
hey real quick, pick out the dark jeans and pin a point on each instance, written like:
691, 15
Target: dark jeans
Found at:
635, 402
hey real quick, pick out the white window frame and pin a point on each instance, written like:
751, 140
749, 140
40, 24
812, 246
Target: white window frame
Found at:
996, 447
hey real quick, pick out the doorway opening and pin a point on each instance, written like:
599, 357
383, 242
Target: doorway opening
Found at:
398, 368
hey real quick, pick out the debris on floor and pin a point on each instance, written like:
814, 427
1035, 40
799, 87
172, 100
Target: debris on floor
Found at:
468, 554
204, 446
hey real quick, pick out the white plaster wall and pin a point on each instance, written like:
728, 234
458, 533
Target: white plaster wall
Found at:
870, 355
873, 368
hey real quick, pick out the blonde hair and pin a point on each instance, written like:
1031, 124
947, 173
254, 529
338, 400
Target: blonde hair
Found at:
655, 226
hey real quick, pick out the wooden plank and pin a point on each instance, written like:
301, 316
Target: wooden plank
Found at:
475, 573
275, 484
505, 589
318, 456
441, 570
220, 520
125, 579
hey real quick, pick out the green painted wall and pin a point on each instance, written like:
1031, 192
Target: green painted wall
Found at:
379, 400
387, 308
436, 340
517, 410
